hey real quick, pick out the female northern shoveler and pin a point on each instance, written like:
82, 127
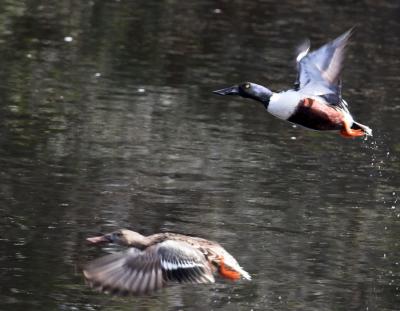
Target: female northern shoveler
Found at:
316, 100
153, 261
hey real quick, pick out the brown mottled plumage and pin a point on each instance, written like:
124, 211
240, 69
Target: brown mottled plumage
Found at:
154, 261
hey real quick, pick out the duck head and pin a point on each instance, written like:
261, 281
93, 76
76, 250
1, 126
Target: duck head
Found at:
248, 90
122, 237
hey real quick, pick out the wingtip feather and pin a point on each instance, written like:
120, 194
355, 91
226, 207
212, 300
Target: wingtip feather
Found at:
302, 50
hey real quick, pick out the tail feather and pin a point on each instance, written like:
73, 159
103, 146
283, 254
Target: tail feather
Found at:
359, 126
244, 274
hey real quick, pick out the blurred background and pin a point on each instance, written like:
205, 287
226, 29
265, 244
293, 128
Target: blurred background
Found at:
107, 120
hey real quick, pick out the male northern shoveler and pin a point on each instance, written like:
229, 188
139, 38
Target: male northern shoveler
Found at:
153, 261
316, 100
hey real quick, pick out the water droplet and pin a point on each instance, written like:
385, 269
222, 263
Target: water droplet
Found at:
141, 90
68, 39
217, 11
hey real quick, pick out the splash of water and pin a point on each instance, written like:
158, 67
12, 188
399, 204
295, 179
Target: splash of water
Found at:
380, 157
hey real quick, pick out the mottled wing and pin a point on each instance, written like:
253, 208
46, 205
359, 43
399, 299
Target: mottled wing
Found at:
129, 272
182, 262
319, 71
140, 272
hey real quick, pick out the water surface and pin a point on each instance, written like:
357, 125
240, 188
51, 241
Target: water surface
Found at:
107, 120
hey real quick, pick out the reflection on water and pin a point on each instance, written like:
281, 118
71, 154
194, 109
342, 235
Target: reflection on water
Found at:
119, 128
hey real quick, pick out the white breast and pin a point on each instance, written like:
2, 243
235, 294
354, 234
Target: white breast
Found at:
282, 105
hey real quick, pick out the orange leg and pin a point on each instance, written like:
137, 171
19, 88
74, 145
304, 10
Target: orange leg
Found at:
226, 272
347, 132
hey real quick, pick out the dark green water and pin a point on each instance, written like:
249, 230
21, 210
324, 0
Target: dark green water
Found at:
119, 128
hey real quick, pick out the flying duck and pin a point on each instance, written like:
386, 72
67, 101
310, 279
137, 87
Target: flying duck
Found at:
153, 261
316, 101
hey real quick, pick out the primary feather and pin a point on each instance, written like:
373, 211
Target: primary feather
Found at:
319, 71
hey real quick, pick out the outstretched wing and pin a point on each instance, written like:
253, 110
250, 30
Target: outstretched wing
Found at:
140, 272
302, 51
319, 71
